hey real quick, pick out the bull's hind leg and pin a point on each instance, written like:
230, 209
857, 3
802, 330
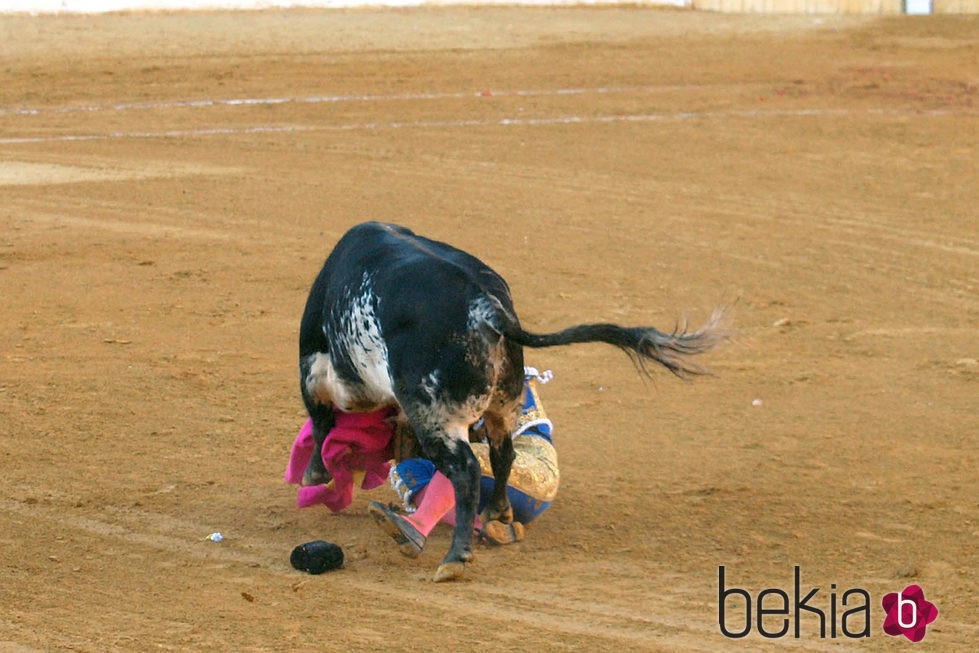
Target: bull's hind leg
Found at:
453, 457
501, 420
501, 460
323, 420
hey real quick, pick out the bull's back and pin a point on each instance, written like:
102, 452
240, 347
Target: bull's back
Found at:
413, 274
391, 307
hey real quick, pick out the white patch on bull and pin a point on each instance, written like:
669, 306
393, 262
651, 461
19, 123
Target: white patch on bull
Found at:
359, 337
451, 421
322, 383
486, 346
362, 338
458, 436
483, 315
430, 385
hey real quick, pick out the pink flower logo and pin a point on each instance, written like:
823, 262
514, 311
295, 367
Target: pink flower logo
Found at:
908, 613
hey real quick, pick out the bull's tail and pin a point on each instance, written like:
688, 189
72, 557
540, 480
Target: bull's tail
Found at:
642, 344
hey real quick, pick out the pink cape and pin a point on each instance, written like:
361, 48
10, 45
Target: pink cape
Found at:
357, 442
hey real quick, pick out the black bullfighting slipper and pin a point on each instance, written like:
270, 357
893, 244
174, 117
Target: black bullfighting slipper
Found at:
408, 538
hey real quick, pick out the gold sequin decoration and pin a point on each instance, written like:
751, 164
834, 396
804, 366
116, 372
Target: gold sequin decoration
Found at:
534, 471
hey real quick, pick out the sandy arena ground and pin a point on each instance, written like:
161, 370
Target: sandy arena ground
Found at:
169, 187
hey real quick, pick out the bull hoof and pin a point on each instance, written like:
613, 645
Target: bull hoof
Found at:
488, 515
449, 571
315, 477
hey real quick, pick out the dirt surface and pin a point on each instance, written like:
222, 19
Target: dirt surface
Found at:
169, 187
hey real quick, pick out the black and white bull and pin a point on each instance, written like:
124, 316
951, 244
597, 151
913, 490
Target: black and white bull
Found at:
396, 319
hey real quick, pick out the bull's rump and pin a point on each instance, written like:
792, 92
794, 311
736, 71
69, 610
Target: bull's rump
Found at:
392, 312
